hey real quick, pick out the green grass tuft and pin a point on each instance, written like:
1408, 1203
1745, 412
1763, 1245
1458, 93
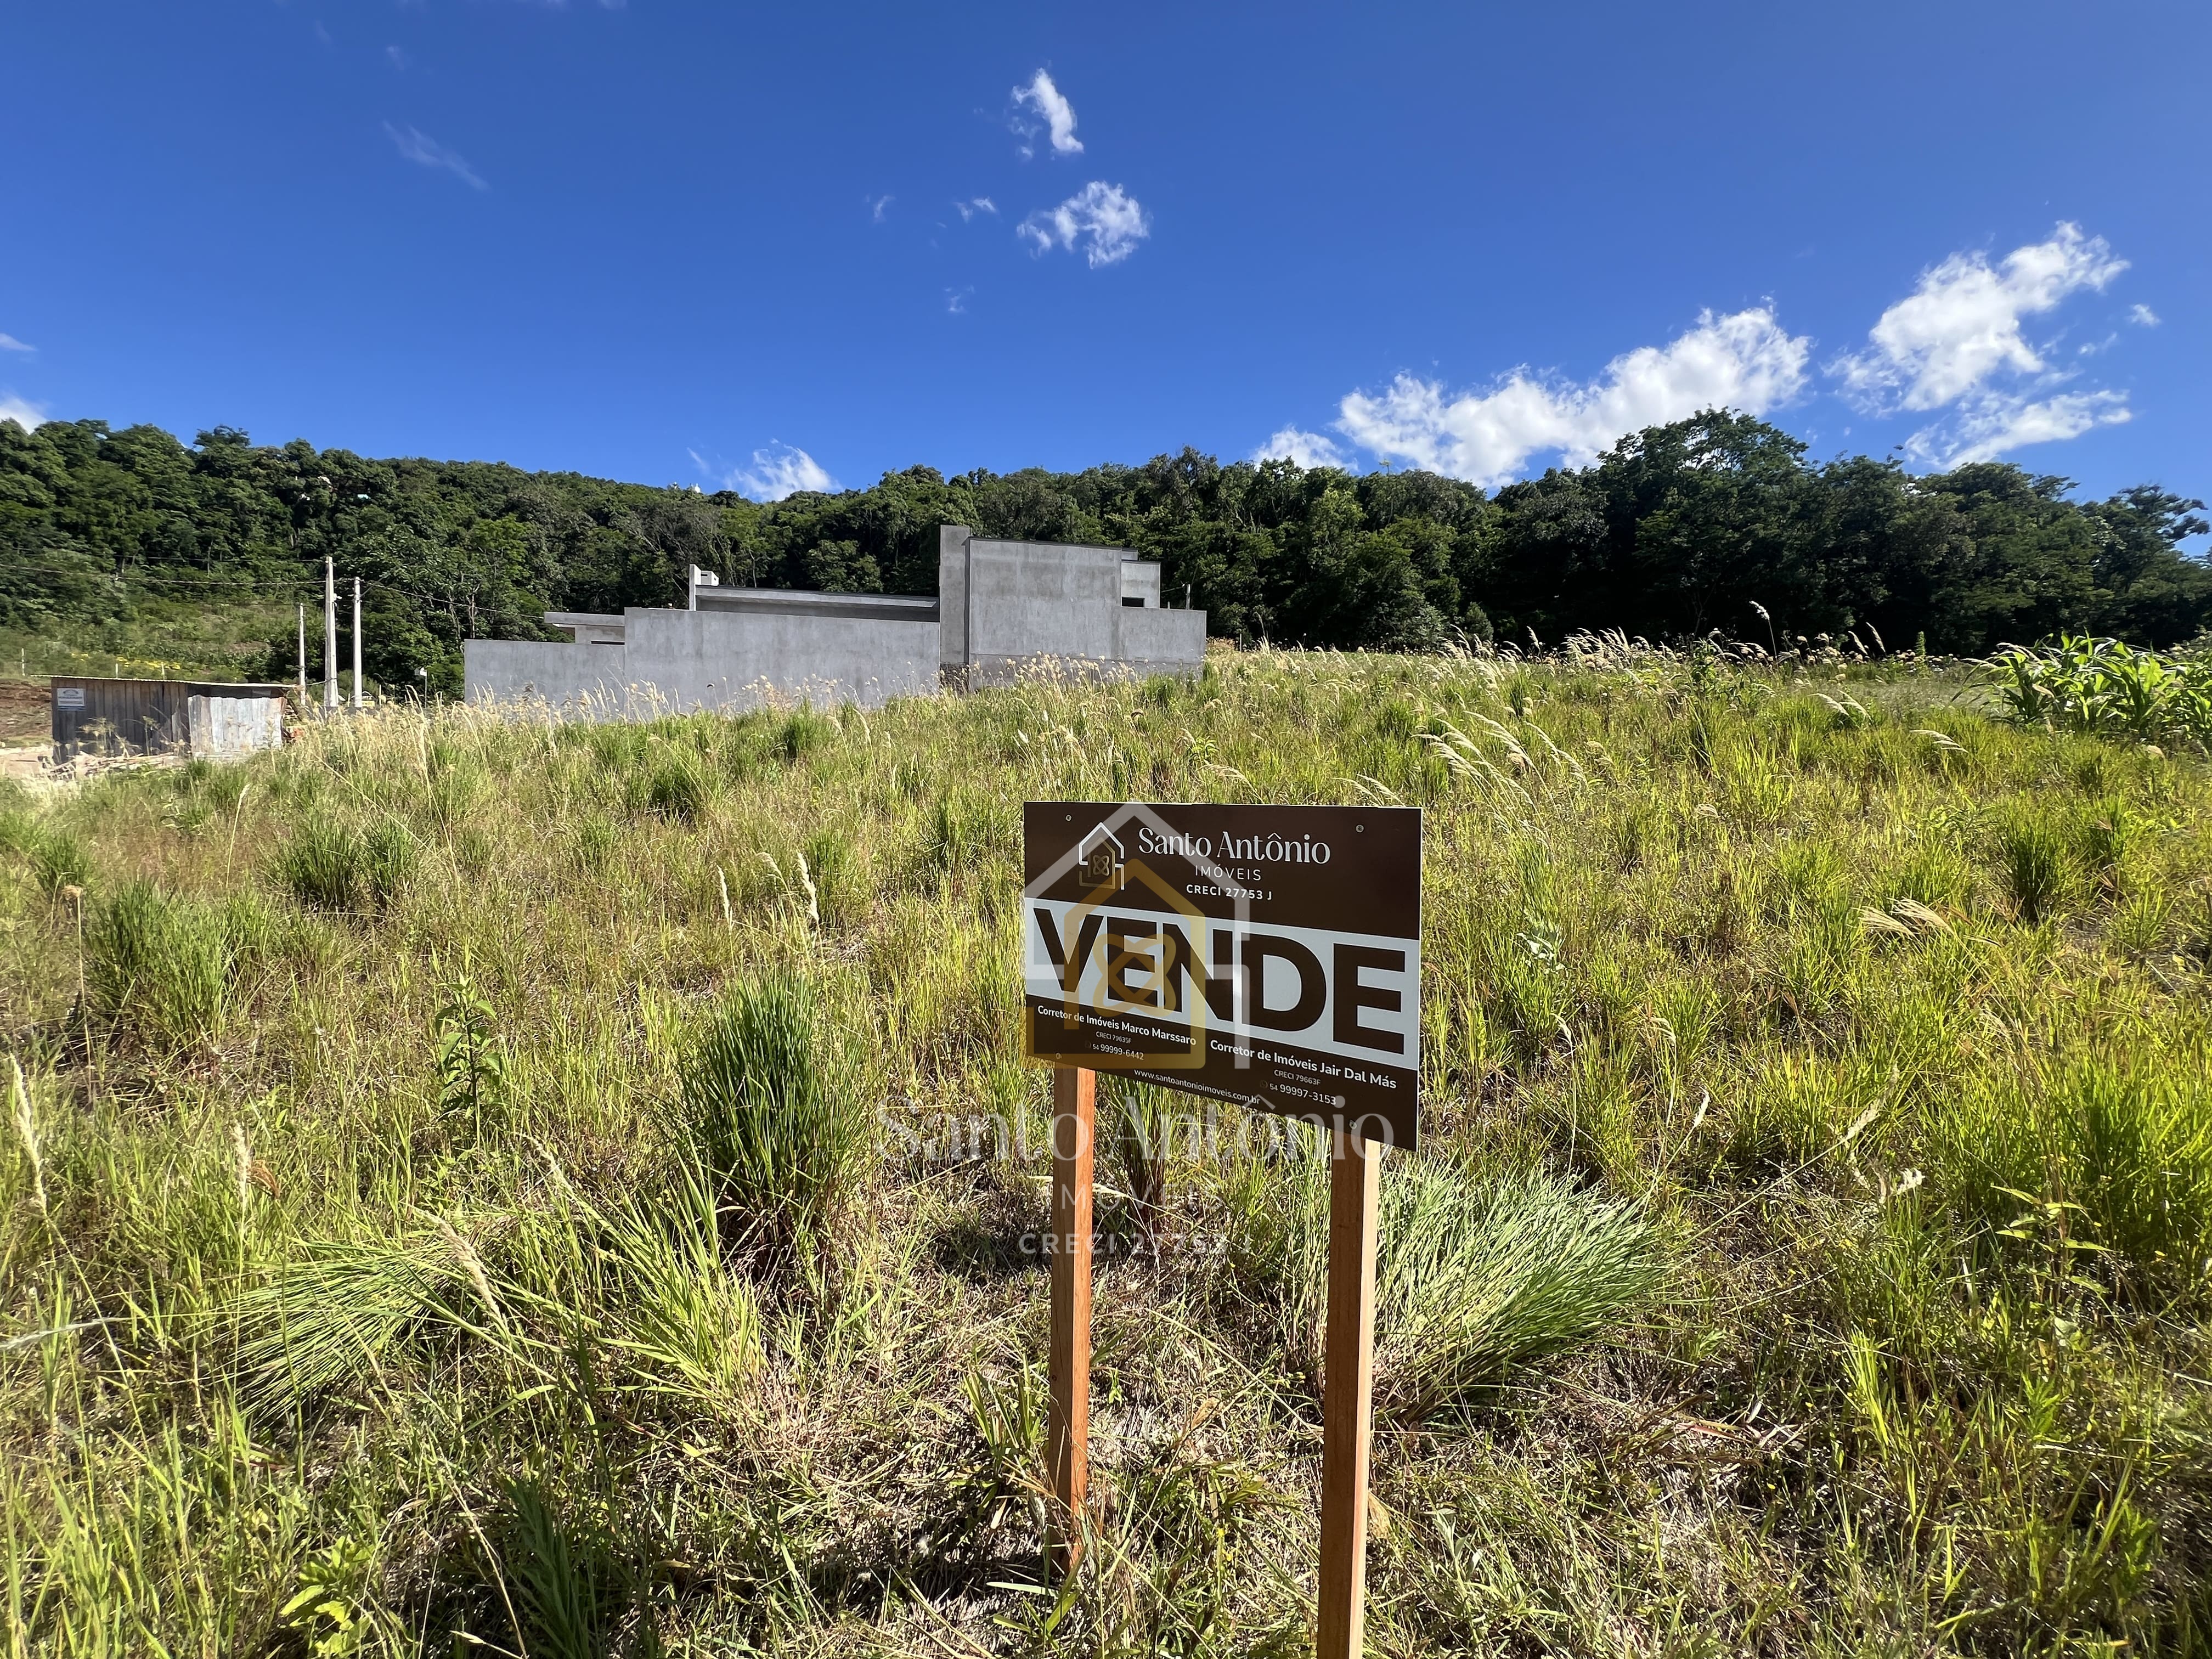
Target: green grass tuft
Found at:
1479, 1276
159, 965
783, 1132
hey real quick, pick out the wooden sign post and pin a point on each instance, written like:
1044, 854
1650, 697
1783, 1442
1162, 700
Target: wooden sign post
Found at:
1269, 956
1347, 1406
1068, 1366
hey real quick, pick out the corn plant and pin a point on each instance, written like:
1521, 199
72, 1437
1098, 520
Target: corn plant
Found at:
2078, 684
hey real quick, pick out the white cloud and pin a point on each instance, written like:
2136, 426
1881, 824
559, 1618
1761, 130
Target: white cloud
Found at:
29, 416
2143, 316
875, 206
418, 146
1307, 449
1044, 100
1961, 327
396, 58
1989, 423
1745, 361
1956, 343
974, 205
9, 342
955, 299
779, 471
1112, 220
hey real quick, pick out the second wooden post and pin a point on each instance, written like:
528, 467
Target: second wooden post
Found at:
1067, 1428
1346, 1408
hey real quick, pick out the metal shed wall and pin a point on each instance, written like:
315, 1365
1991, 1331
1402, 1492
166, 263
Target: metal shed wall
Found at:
134, 717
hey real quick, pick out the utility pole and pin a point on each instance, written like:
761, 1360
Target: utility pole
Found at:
330, 636
356, 644
303, 659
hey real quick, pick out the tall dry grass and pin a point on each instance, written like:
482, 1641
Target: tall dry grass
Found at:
496, 1184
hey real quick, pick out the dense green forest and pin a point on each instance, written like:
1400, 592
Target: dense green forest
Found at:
1718, 522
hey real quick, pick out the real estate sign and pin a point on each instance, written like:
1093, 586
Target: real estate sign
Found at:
1270, 954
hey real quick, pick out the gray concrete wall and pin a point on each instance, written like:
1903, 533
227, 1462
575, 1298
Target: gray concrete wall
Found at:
675, 661
1036, 608
1041, 607
587, 628
798, 602
715, 659
953, 541
1031, 600
1161, 641
587, 680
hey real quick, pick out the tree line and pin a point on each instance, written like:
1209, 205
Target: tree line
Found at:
1720, 522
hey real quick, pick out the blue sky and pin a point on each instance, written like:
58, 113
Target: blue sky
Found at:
713, 244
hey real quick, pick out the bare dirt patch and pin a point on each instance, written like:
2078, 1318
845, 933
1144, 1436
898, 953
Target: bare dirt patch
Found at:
26, 712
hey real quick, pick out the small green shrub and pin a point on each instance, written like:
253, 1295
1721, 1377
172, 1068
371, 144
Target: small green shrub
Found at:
457, 783
1395, 719
783, 1134
2108, 829
389, 854
472, 1068
952, 841
841, 894
158, 964
331, 865
248, 926
689, 1326
1527, 990
681, 785
337, 1609
594, 845
2137, 1154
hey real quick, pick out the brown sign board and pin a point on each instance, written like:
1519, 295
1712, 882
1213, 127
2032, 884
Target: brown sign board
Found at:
1267, 955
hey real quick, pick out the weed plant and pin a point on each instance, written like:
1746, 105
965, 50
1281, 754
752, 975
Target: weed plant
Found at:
488, 1184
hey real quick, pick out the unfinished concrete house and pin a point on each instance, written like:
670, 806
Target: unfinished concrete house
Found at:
1003, 610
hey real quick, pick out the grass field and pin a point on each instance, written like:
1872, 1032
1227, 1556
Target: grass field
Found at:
502, 1188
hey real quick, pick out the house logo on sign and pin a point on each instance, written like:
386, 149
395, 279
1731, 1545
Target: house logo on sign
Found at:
1100, 863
